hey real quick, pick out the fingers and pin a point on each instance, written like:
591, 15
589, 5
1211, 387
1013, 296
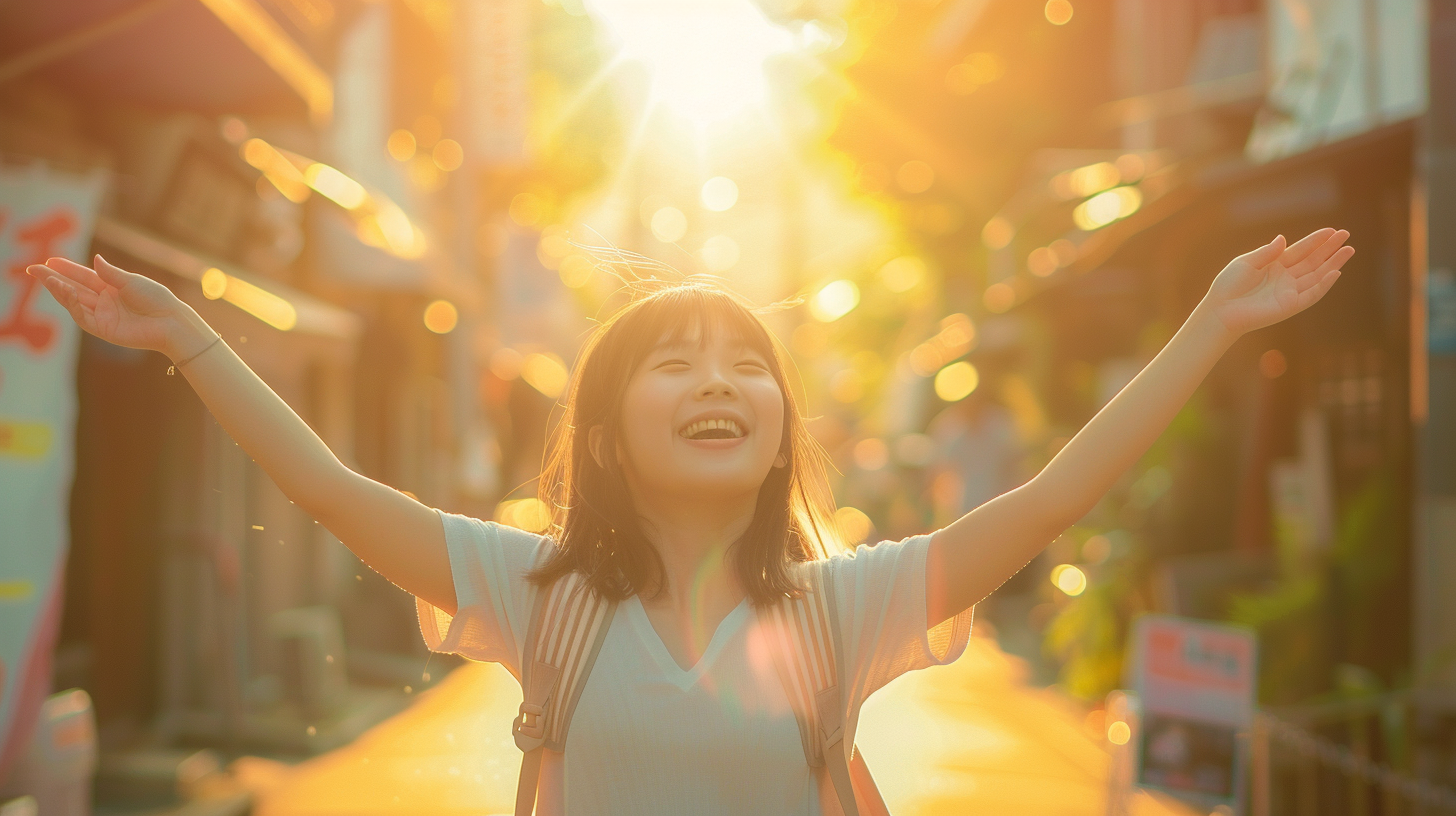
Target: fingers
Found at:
111, 273
1319, 256
1265, 254
1299, 250
1311, 296
67, 294
76, 272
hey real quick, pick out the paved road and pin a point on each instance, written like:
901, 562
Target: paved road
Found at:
971, 737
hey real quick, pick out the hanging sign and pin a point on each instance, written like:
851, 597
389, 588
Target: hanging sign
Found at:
42, 214
1196, 684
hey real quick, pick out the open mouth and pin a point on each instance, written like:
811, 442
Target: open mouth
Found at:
712, 429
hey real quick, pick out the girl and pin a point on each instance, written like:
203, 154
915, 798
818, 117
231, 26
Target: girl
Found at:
687, 488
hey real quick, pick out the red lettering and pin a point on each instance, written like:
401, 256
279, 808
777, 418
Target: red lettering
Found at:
40, 236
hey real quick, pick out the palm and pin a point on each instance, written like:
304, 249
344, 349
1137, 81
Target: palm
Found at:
1276, 282
116, 306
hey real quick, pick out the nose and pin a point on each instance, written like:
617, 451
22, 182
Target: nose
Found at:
716, 386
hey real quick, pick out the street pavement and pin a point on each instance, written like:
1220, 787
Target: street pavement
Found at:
972, 737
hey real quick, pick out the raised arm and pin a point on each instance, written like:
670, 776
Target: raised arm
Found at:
394, 534
978, 552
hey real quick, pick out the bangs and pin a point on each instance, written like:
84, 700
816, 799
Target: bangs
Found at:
694, 314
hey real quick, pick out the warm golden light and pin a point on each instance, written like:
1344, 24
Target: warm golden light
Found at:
335, 186
706, 57
576, 270
853, 524
1273, 364
719, 194
527, 209
260, 303
903, 273
545, 372
1118, 732
401, 145
997, 233
871, 453
956, 381
214, 283
915, 176
441, 317
999, 297
719, 253
1069, 579
1086, 181
1058, 12
1104, 208
834, 301
669, 224
448, 155
276, 167
1042, 262
531, 515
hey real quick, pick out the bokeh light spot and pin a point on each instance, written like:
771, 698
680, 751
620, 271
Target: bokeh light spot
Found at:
448, 155
669, 224
853, 524
1118, 732
871, 454
719, 194
835, 300
956, 381
576, 270
401, 145
997, 233
1069, 579
545, 372
999, 298
1058, 12
915, 176
719, 253
1273, 364
441, 317
902, 274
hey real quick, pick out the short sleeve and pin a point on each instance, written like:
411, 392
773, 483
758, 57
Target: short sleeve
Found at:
879, 592
488, 565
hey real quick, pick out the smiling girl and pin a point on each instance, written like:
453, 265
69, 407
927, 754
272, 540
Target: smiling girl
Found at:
687, 489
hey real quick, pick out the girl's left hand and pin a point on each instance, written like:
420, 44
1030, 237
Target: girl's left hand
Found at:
1275, 282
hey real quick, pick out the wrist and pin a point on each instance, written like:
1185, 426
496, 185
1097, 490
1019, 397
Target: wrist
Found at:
185, 334
1207, 325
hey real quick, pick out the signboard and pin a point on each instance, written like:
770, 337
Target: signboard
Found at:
1196, 684
42, 214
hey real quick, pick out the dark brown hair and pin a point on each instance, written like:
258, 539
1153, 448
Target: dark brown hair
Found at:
595, 525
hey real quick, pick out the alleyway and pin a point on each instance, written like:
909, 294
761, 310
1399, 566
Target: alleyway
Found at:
966, 738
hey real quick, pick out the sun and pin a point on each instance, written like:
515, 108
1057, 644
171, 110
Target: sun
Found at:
706, 57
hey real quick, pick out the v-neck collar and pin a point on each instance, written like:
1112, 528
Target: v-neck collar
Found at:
683, 678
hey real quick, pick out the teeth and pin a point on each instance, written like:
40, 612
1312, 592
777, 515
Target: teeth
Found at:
712, 425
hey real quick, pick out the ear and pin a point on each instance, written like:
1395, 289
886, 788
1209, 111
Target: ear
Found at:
594, 444
781, 461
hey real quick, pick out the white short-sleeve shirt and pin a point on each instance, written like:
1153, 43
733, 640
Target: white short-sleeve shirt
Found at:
647, 736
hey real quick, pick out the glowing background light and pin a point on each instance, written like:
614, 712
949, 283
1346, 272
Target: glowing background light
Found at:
1069, 579
441, 317
545, 373
853, 524
719, 253
997, 233
1104, 208
719, 194
956, 381
902, 274
834, 301
401, 145
1118, 732
706, 57
1058, 12
335, 186
669, 224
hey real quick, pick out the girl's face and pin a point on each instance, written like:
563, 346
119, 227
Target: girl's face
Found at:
701, 418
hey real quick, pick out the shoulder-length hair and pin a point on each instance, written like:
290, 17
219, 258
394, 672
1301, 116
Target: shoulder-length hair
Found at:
596, 527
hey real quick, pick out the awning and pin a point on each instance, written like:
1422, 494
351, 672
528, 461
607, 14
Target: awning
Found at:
271, 302
208, 56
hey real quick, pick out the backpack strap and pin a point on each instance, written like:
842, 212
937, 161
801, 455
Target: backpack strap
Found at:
568, 624
807, 653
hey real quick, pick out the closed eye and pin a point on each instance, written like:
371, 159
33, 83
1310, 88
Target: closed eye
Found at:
667, 363
754, 364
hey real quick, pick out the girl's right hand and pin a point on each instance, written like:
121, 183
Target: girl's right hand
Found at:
121, 307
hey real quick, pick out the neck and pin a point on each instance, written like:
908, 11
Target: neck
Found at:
693, 538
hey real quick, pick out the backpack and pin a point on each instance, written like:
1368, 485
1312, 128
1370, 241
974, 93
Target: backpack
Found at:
569, 622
